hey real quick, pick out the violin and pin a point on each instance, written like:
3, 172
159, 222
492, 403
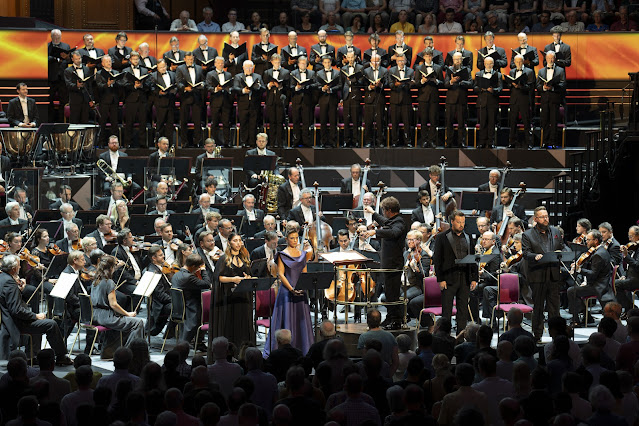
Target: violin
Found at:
584, 256
514, 259
4, 246
631, 246
87, 274
110, 237
580, 239
26, 255
76, 245
55, 250
169, 269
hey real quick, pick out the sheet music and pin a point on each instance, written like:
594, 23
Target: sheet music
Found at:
63, 285
147, 284
345, 256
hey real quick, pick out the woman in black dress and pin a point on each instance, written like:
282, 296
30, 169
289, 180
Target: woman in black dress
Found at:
233, 313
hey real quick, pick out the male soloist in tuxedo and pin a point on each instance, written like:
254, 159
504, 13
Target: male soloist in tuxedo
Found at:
351, 98
79, 91
455, 281
596, 272
497, 53
120, 53
429, 78
108, 94
302, 88
219, 84
399, 79
136, 98
543, 277
277, 82
375, 80
260, 52
563, 55
320, 51
488, 85
190, 81
551, 85
248, 88
456, 101
328, 81
164, 88
22, 110
204, 54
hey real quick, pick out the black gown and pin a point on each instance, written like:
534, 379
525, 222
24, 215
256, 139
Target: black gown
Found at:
233, 312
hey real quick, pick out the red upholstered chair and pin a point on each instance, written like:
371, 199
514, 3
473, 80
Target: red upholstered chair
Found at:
508, 297
206, 310
432, 299
264, 302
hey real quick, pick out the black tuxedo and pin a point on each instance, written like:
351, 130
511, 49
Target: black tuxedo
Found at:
346, 185
150, 63
120, 60
316, 61
101, 203
57, 87
351, 98
257, 58
366, 63
171, 54
248, 106
564, 51
109, 102
221, 104
533, 63
285, 198
56, 205
234, 66
408, 54
501, 62
7, 222
551, 100
160, 302
417, 215
428, 98
297, 215
5, 166
328, 102
210, 271
301, 51
487, 104
543, 277
343, 51
614, 249
56, 64
400, 101
191, 287
199, 58
457, 277
303, 104
456, 106
191, 103
438, 58
597, 272
519, 104
164, 104
249, 228
135, 106
15, 114
85, 56
467, 58
78, 97
392, 234
374, 105
276, 104
630, 282
249, 173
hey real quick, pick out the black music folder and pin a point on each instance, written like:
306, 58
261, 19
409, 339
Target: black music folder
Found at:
237, 51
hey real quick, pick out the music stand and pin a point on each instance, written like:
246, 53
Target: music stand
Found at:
137, 209
337, 224
65, 283
557, 256
54, 227
89, 216
181, 220
258, 267
577, 248
227, 209
260, 162
181, 166
336, 202
142, 224
87, 229
219, 168
131, 166
235, 220
472, 259
57, 265
315, 281
46, 215
252, 285
478, 201
253, 243
179, 206
4, 230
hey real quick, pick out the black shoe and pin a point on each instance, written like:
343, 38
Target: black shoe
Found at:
358, 319
63, 361
393, 325
201, 348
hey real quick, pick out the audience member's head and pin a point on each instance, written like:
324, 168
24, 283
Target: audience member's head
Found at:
464, 374
504, 350
335, 349
524, 346
220, 347
122, 358
509, 410
468, 416
395, 399
283, 337
403, 343
209, 414
607, 326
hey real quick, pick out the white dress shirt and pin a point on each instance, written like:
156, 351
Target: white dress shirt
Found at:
308, 214
368, 217
356, 187
66, 224
115, 157
134, 263
167, 79
224, 242
250, 215
296, 193
25, 109
429, 216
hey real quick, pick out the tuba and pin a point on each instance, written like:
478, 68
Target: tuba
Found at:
268, 193
109, 172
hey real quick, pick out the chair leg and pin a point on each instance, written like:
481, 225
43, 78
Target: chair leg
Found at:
74, 340
95, 337
197, 336
470, 314
492, 317
504, 322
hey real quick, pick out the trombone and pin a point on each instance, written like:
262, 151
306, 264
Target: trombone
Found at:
109, 172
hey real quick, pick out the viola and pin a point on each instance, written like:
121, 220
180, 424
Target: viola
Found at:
55, 250
169, 269
76, 245
514, 258
87, 274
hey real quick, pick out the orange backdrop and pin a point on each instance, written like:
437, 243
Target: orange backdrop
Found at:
607, 56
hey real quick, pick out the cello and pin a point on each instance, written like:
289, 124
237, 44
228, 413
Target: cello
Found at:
298, 163
440, 224
359, 200
321, 234
503, 225
451, 204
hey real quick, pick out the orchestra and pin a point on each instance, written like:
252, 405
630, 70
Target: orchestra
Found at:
214, 254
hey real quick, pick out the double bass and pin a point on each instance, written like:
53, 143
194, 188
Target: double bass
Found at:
451, 204
298, 163
503, 225
359, 200
321, 234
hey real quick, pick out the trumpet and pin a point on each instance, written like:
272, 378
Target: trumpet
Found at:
109, 172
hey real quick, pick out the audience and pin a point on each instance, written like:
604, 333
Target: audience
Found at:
222, 372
